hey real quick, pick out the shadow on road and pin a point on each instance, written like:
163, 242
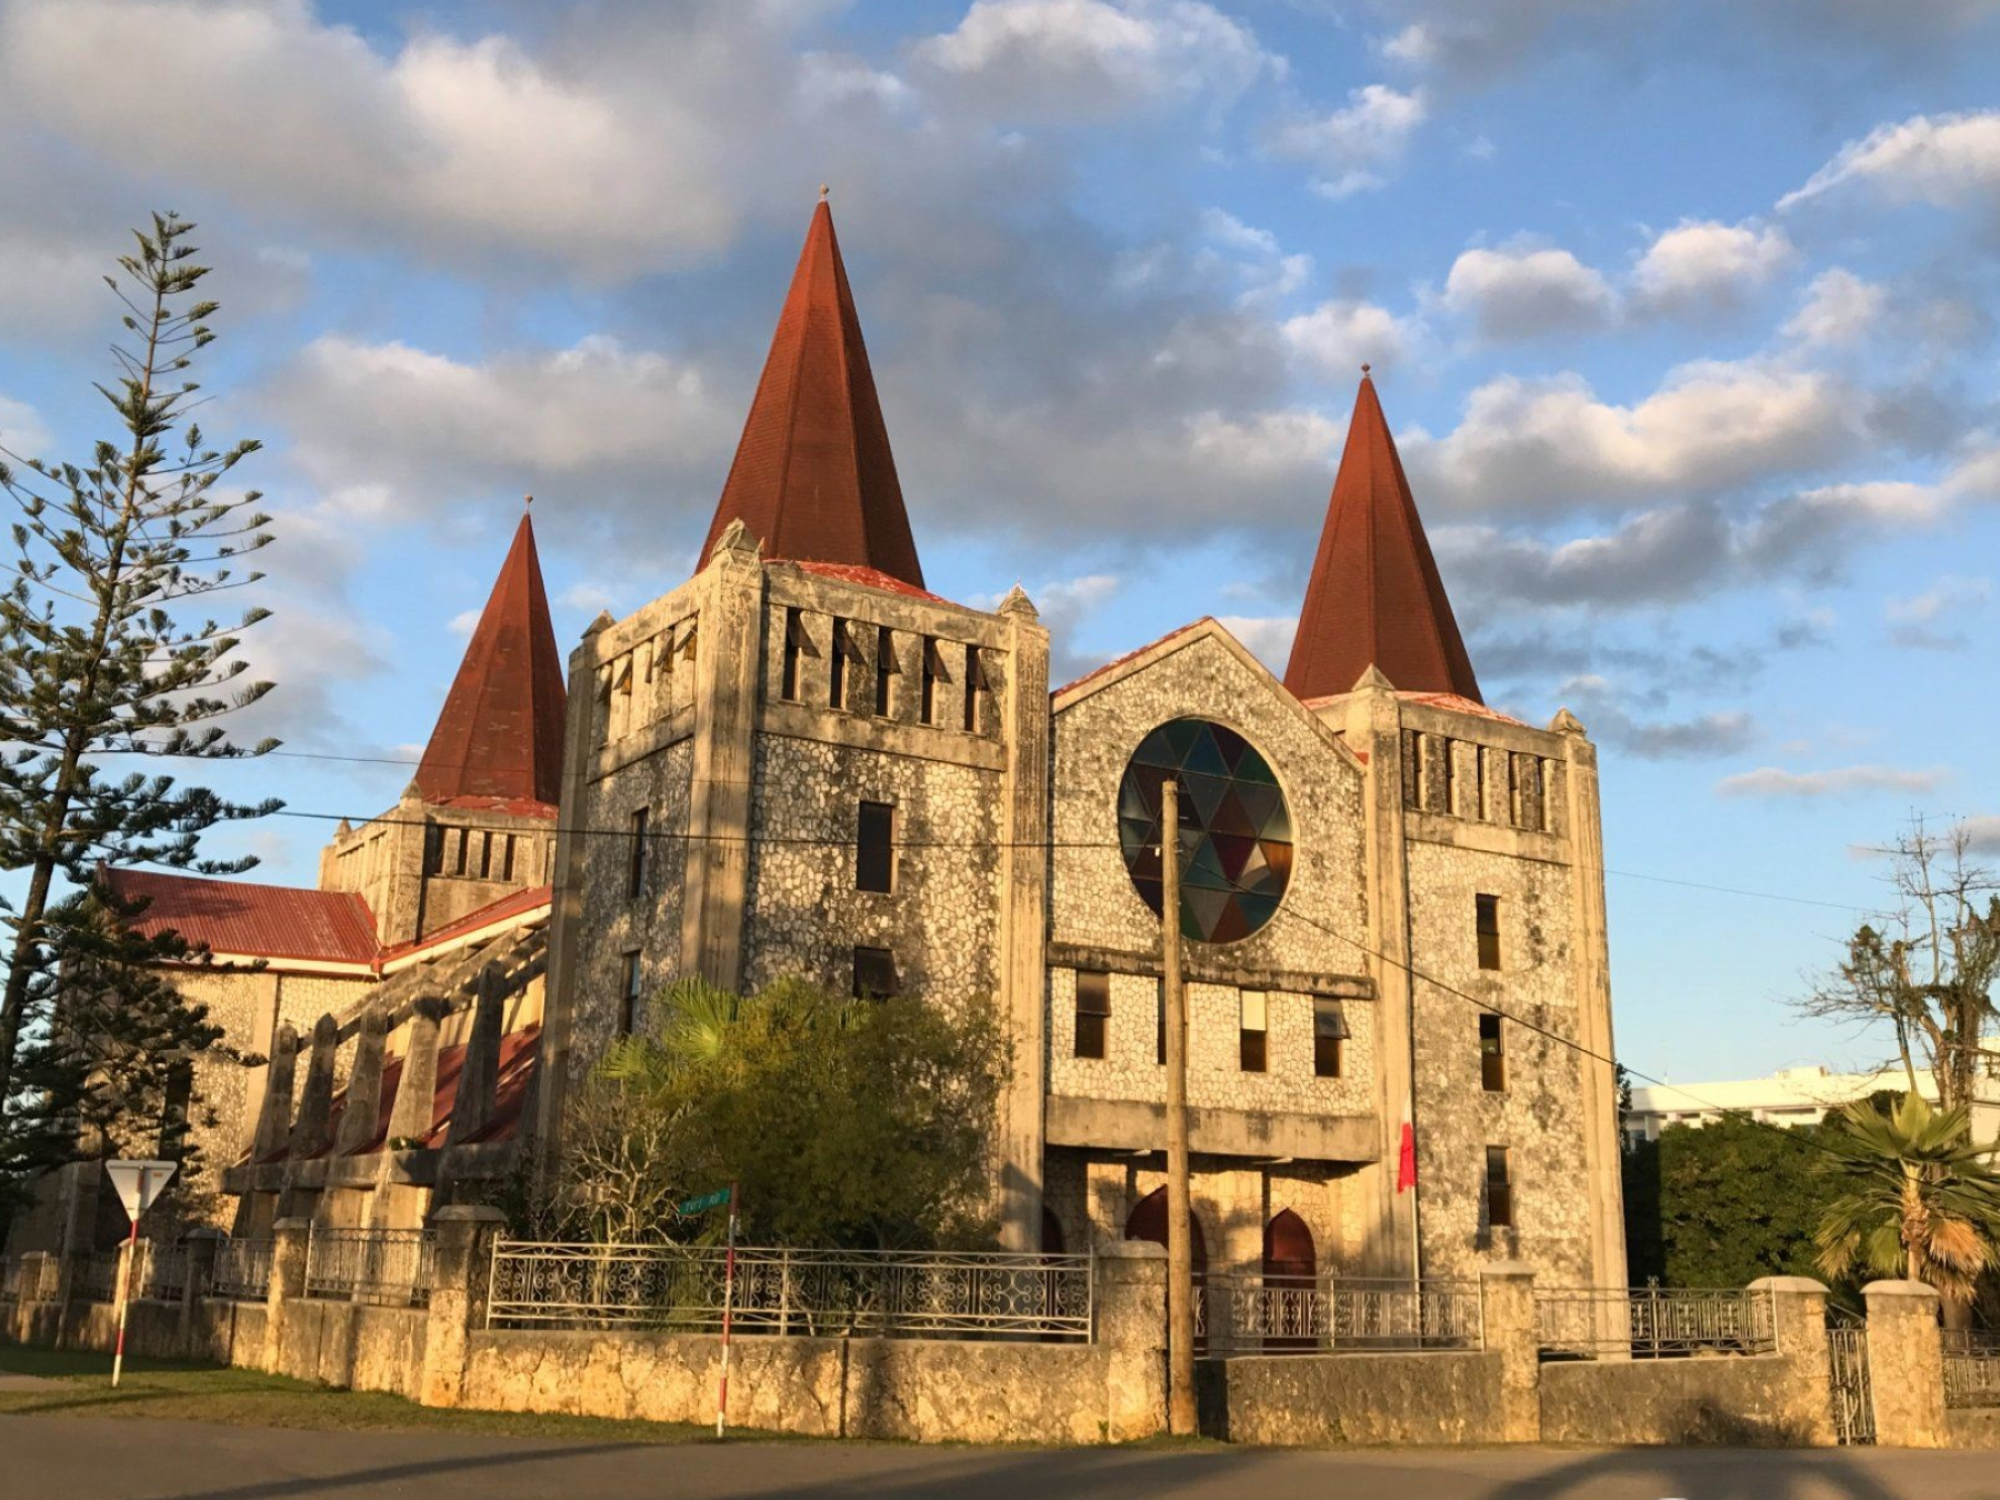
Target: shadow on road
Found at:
1702, 1474
360, 1481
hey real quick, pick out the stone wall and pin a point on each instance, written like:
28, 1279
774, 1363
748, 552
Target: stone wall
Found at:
354, 1346
1728, 1400
1418, 1400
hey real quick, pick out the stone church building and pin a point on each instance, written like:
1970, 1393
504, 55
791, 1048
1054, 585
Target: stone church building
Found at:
803, 761
1394, 893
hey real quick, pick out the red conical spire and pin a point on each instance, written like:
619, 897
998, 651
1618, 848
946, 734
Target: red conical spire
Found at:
813, 478
501, 732
1375, 598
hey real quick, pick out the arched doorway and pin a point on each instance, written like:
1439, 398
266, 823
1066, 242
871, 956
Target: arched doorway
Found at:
1291, 1270
1148, 1221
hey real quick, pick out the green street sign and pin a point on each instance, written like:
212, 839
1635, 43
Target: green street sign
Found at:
704, 1203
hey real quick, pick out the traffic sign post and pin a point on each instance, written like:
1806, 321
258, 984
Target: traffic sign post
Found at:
687, 1209
137, 1183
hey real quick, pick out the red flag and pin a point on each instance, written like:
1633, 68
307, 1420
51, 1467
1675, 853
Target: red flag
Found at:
1406, 1162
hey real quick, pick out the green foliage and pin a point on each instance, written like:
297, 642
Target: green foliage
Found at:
847, 1124
1722, 1204
108, 659
1917, 1198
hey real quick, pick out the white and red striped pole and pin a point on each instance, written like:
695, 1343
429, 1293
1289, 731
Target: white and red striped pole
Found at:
125, 1287
728, 1307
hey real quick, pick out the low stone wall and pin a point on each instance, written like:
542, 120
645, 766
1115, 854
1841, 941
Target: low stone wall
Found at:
919, 1390
349, 1344
1732, 1399
1415, 1399
1973, 1426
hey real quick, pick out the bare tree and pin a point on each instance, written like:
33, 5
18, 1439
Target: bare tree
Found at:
1927, 969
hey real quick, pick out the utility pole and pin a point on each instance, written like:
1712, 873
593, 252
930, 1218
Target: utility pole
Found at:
1180, 1245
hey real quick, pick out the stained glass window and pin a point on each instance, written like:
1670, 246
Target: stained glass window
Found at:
1235, 833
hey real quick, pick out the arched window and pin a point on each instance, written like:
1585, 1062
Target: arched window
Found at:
1290, 1304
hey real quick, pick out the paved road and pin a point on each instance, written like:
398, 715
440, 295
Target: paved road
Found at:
78, 1458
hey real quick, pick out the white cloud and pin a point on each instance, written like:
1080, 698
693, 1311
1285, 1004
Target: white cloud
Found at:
1087, 58
1338, 337
1941, 159
22, 431
1351, 146
1839, 307
464, 622
1259, 264
1773, 781
1521, 292
1983, 833
404, 427
1705, 266
1549, 445
1919, 621
457, 145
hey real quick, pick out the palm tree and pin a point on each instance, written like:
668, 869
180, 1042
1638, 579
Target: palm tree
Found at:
1921, 1200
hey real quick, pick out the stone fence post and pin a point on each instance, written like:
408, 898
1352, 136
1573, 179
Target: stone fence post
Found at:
289, 1243
1906, 1364
1798, 1315
1507, 1328
460, 1285
203, 1245
1131, 1298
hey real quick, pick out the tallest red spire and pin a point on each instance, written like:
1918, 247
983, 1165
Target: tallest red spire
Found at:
501, 732
1375, 598
814, 479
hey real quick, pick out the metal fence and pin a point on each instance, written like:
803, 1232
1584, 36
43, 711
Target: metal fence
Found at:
1653, 1322
389, 1267
242, 1270
159, 1271
824, 1293
1971, 1367
1254, 1314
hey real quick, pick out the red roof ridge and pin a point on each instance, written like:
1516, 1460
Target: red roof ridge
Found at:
1375, 597
514, 902
500, 733
814, 477
1119, 661
873, 578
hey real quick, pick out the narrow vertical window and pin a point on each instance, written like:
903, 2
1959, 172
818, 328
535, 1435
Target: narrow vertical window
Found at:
874, 973
1447, 774
885, 668
507, 859
1487, 915
1329, 1031
628, 999
1492, 1056
433, 850
485, 855
458, 861
1251, 1032
975, 689
1499, 1188
1093, 1011
1482, 767
934, 672
635, 869
836, 681
795, 632
874, 847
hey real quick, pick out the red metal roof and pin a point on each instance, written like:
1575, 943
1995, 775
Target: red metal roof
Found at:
873, 578
500, 735
1119, 661
1375, 598
520, 1054
234, 916
814, 478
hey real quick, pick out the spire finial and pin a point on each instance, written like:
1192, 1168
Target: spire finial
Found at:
1365, 367
822, 192
527, 501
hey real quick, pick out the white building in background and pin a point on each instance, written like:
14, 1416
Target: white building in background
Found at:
1789, 1097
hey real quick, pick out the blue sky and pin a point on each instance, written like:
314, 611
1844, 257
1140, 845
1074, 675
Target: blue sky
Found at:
1684, 315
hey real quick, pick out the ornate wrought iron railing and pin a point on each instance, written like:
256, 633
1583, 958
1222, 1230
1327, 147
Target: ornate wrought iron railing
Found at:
800, 1293
389, 1267
1971, 1367
1255, 1314
242, 1270
1653, 1322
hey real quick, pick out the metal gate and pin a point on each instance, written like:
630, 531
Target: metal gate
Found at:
1847, 1365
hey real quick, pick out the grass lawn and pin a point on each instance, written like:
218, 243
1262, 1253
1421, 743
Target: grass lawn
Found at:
246, 1398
